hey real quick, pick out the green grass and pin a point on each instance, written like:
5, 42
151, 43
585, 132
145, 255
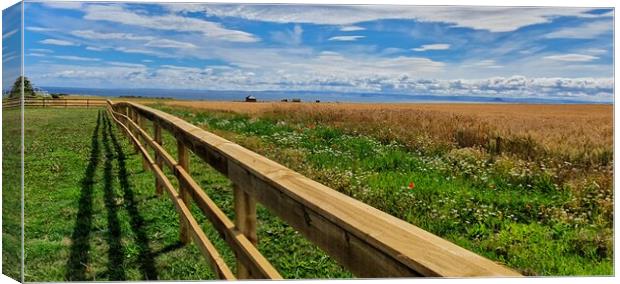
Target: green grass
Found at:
11, 193
502, 208
92, 214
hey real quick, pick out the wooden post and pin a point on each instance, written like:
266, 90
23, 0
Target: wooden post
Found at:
126, 115
65, 103
140, 122
87, 103
132, 117
183, 153
245, 221
159, 187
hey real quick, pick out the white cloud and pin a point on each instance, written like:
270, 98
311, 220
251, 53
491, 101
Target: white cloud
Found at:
39, 29
168, 43
571, 57
486, 63
10, 33
137, 75
8, 54
392, 50
436, 46
71, 5
42, 50
245, 65
292, 37
596, 50
117, 14
90, 34
346, 38
351, 28
584, 31
180, 68
142, 51
60, 42
94, 48
495, 19
9, 58
588, 89
35, 54
76, 58
125, 64
151, 41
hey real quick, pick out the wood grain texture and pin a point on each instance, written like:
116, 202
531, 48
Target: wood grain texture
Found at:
183, 159
159, 189
246, 223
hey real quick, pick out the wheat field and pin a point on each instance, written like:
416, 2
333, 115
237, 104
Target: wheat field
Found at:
578, 133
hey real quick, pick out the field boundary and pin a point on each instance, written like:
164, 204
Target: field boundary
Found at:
366, 241
53, 102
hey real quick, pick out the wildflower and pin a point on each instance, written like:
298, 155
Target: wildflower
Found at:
411, 185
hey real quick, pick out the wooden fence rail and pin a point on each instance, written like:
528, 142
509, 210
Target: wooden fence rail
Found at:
365, 240
51, 102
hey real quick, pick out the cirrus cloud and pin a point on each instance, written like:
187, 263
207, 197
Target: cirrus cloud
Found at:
494, 19
435, 46
170, 22
572, 57
346, 38
59, 42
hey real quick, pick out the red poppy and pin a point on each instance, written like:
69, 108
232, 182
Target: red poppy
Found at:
411, 185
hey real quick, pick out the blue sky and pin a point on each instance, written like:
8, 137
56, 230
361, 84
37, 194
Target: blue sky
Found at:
479, 51
11, 45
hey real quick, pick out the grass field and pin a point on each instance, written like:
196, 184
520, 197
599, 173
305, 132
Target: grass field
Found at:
11, 194
541, 201
91, 211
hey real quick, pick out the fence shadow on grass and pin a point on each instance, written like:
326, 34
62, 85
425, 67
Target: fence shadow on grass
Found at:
80, 247
145, 255
116, 259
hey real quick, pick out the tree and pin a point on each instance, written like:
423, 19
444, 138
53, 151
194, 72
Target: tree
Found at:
17, 86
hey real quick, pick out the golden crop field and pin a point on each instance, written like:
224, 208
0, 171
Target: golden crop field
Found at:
577, 132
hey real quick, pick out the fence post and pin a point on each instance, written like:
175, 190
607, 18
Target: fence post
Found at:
126, 115
183, 154
159, 188
65, 103
132, 117
126, 119
246, 223
87, 103
141, 140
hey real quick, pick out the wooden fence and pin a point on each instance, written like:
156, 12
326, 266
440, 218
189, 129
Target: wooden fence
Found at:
51, 102
365, 240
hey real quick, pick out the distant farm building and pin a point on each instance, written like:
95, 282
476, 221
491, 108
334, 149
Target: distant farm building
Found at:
250, 98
